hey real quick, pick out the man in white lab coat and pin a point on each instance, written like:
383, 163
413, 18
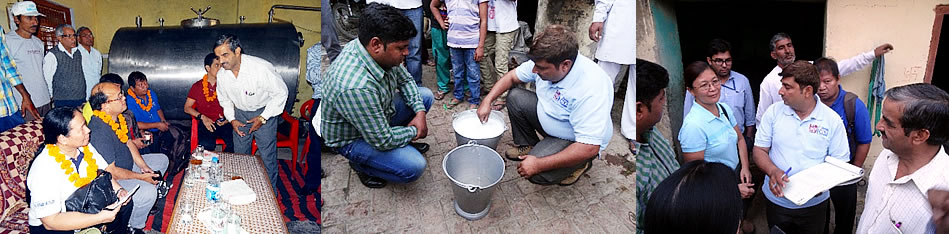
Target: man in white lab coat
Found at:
614, 27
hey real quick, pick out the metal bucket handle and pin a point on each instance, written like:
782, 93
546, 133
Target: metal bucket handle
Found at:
469, 187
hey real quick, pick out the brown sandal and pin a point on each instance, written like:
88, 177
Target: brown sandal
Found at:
440, 95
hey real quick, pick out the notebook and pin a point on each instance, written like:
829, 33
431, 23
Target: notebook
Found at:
808, 183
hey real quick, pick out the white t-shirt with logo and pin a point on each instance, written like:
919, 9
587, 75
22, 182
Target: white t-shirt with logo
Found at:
49, 185
28, 54
502, 16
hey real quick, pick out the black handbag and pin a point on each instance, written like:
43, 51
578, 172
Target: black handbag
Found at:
93, 197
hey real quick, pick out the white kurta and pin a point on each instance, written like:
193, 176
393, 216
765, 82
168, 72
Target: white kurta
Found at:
618, 41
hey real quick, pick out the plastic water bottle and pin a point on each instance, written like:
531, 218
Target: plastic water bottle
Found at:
214, 181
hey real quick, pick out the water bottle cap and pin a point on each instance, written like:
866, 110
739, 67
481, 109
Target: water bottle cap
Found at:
214, 159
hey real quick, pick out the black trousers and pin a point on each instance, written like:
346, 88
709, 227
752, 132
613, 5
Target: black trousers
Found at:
208, 138
844, 199
805, 220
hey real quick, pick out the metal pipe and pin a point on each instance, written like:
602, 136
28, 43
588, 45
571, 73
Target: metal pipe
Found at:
289, 7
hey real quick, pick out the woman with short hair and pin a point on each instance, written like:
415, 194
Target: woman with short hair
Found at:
67, 162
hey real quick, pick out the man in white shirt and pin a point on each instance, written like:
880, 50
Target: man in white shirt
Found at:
92, 59
62, 68
413, 10
252, 94
793, 136
569, 109
27, 51
502, 29
614, 27
782, 50
914, 127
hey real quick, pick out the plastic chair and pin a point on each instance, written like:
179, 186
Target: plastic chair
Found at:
305, 113
194, 135
284, 141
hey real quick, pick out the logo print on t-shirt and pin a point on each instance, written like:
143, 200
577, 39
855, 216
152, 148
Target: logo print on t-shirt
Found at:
560, 99
813, 128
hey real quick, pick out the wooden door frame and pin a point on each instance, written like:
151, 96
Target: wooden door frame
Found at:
941, 12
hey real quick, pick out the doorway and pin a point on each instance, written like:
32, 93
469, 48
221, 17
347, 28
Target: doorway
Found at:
749, 26
936, 66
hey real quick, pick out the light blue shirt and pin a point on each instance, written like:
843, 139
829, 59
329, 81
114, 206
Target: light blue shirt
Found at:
801, 144
715, 135
576, 108
736, 92
314, 66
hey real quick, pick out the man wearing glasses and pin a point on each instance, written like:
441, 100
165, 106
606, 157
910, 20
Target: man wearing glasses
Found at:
736, 91
92, 62
62, 68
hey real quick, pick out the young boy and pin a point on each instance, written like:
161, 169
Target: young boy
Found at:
466, 34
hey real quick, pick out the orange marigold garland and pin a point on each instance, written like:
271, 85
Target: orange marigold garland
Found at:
121, 128
66, 165
139, 101
208, 95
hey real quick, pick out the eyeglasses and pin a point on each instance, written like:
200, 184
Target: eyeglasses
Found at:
120, 98
86, 35
705, 86
70, 35
722, 61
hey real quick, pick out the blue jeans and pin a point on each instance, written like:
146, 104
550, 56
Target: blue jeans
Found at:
413, 62
11, 121
400, 165
462, 62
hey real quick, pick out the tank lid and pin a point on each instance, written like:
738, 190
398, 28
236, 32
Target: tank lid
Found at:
200, 21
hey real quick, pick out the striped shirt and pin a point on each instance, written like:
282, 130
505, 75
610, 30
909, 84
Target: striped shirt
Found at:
357, 101
8, 104
655, 161
464, 28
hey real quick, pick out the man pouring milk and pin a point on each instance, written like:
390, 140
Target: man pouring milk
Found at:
570, 110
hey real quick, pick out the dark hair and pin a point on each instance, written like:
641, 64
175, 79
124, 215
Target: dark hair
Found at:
925, 106
826, 64
56, 123
554, 45
700, 197
650, 79
97, 99
209, 59
230, 39
135, 77
83, 28
386, 23
718, 45
804, 73
777, 37
692, 72
112, 78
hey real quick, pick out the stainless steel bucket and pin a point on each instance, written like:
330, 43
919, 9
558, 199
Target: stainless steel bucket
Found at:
473, 170
488, 134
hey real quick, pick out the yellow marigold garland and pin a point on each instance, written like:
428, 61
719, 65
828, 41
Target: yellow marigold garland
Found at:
66, 165
121, 128
139, 101
208, 95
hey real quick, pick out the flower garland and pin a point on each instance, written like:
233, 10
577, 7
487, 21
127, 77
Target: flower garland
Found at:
66, 165
139, 101
121, 128
208, 95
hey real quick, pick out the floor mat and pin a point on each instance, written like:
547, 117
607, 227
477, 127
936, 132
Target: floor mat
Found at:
295, 207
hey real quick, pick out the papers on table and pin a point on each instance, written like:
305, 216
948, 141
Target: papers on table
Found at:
833, 172
236, 192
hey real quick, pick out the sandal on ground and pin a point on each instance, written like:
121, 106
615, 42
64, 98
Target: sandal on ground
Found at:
575, 176
452, 103
440, 95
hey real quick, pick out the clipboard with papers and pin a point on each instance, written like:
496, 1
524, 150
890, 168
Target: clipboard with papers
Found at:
808, 183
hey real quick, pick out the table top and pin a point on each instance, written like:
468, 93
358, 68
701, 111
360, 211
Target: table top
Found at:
260, 216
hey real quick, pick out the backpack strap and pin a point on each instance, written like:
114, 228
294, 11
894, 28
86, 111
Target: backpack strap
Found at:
724, 110
850, 102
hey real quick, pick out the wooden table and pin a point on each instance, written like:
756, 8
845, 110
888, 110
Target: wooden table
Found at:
260, 216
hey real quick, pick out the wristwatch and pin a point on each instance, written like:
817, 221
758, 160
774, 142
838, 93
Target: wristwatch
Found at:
262, 119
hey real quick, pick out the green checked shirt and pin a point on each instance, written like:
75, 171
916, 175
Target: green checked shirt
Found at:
357, 101
655, 161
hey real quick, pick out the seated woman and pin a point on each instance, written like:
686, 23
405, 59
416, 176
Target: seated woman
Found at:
202, 104
700, 197
66, 163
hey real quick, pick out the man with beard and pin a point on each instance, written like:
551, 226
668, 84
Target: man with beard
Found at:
782, 50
